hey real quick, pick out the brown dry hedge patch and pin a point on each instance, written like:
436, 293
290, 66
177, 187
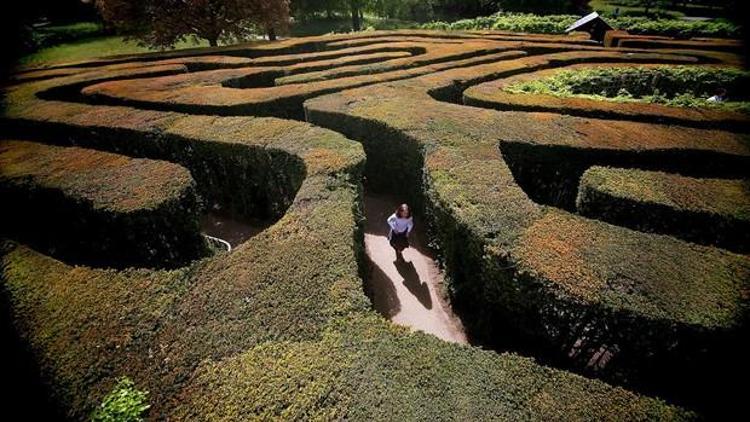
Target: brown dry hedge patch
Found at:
707, 211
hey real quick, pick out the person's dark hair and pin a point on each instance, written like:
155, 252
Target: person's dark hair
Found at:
403, 207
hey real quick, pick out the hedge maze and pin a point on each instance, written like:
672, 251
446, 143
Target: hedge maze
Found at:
599, 238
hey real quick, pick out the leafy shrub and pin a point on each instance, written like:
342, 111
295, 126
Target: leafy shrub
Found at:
681, 86
676, 27
516, 22
556, 24
124, 403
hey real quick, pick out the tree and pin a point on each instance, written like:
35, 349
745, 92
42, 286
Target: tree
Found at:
355, 6
271, 16
163, 23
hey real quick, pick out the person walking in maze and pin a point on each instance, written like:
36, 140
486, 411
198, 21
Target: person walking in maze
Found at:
401, 224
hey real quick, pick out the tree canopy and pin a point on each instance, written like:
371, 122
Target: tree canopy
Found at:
162, 23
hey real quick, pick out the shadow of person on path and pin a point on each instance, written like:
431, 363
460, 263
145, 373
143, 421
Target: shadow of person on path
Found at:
381, 291
412, 282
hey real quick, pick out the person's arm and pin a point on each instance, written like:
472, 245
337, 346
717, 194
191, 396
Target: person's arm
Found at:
392, 222
409, 226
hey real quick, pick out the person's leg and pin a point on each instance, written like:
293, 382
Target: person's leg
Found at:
397, 245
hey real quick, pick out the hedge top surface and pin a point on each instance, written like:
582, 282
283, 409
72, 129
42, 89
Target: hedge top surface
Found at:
364, 368
214, 91
107, 181
215, 88
653, 276
326, 151
284, 283
724, 197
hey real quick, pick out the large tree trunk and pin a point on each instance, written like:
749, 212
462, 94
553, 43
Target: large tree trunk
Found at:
271, 34
356, 21
213, 41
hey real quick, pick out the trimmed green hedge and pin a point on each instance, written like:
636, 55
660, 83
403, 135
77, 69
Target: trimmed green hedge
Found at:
364, 368
280, 326
220, 91
99, 208
707, 211
542, 280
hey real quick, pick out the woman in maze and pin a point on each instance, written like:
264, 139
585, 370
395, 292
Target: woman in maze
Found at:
401, 224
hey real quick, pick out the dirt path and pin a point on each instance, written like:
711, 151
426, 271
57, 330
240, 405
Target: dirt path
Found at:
408, 293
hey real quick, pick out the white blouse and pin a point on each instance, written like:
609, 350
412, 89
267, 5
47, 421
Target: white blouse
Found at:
400, 225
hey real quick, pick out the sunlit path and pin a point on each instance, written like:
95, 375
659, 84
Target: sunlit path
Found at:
408, 292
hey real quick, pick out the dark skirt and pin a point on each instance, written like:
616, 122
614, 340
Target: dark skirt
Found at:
399, 241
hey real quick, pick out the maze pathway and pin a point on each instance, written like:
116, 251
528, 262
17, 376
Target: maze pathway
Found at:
289, 133
409, 293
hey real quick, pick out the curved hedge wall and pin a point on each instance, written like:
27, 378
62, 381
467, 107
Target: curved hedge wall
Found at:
99, 208
707, 211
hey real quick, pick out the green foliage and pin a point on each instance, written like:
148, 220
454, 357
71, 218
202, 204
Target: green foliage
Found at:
109, 209
363, 368
681, 86
124, 403
53, 35
556, 24
516, 22
281, 327
544, 7
707, 211
677, 27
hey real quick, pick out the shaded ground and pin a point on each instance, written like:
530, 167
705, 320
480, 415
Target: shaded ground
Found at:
232, 230
409, 293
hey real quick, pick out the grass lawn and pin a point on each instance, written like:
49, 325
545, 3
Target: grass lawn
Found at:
90, 48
